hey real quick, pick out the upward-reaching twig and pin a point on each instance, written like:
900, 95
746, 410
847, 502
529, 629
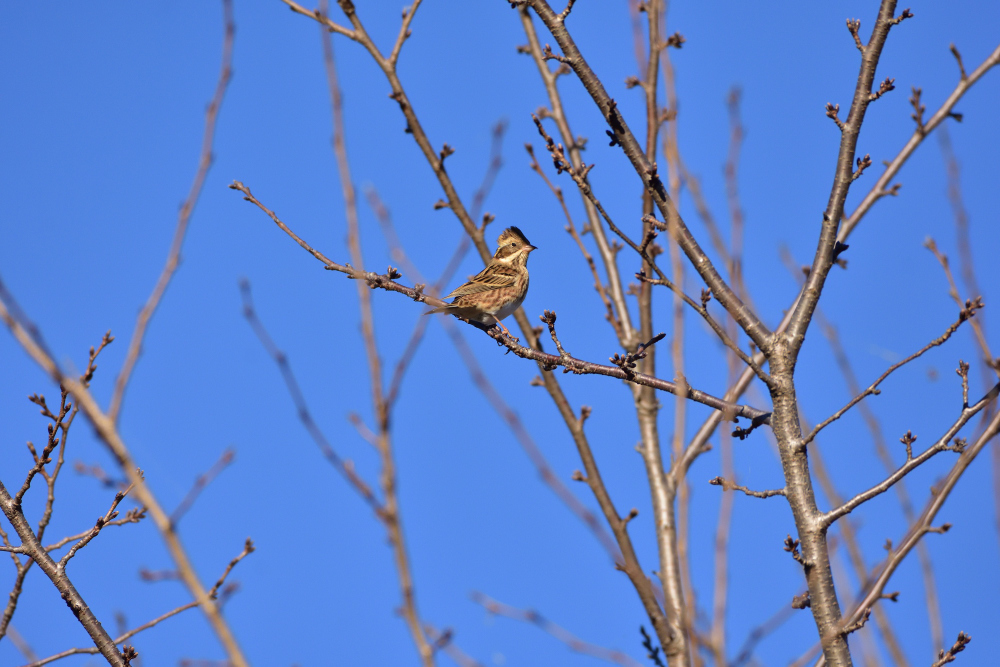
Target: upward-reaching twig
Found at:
56, 572
108, 433
390, 513
882, 185
183, 218
628, 336
967, 313
674, 521
647, 172
922, 526
248, 548
200, 483
571, 641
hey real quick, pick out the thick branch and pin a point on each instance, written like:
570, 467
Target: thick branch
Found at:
621, 134
56, 573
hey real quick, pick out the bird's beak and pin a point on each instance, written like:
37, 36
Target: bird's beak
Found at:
530, 247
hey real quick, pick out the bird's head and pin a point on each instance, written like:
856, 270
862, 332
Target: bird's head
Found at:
513, 247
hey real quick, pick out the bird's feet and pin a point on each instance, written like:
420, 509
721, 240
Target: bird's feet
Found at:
506, 332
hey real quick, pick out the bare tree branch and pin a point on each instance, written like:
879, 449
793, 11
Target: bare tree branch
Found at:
944, 657
108, 433
967, 313
923, 525
574, 643
56, 572
386, 281
733, 486
942, 444
248, 548
183, 218
390, 512
200, 483
881, 187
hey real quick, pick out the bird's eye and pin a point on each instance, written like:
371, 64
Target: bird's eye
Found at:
513, 243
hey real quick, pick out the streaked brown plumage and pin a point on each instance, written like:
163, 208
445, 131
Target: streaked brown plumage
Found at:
499, 289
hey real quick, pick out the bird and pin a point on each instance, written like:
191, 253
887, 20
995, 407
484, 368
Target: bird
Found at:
499, 289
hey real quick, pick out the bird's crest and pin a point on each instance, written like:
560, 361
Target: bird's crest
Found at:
512, 234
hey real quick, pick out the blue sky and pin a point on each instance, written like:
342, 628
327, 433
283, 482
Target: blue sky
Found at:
102, 118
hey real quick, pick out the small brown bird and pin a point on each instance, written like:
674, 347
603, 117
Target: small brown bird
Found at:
499, 289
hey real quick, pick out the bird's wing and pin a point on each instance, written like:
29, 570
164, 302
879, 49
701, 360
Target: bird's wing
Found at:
491, 278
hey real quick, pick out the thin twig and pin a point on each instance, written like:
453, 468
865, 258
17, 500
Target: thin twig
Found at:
977, 327
95, 531
183, 218
571, 229
944, 657
574, 145
882, 187
134, 515
404, 31
574, 643
343, 466
21, 644
775, 621
108, 433
247, 549
200, 483
943, 443
922, 526
967, 313
733, 486
390, 513
386, 282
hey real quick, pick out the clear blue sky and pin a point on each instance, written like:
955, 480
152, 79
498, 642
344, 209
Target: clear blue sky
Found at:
101, 119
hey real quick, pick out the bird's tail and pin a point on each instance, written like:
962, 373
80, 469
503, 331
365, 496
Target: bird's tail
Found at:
441, 309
